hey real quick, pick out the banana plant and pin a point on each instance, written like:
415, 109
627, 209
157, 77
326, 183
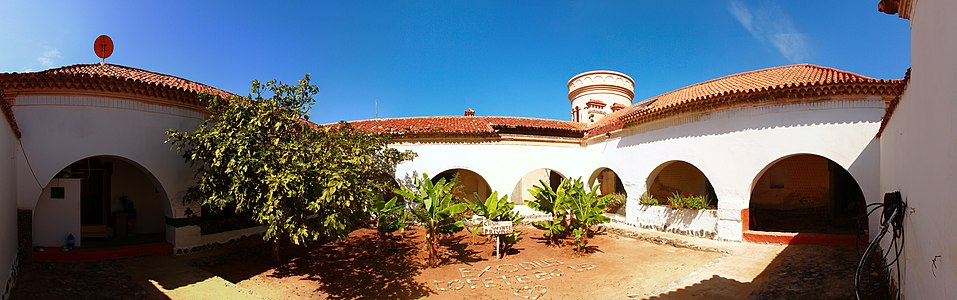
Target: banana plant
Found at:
389, 216
497, 209
553, 202
587, 208
435, 210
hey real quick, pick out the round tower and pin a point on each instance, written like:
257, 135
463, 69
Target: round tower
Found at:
595, 94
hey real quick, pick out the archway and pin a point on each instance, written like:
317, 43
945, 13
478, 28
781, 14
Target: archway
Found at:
806, 193
551, 177
609, 184
101, 201
470, 183
679, 177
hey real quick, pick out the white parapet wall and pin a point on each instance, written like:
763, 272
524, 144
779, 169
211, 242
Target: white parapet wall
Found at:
919, 156
8, 210
702, 223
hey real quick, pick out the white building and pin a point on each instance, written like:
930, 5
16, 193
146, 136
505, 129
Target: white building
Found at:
788, 154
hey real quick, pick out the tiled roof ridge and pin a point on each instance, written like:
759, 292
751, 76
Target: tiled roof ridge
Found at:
456, 116
826, 77
77, 71
745, 73
892, 105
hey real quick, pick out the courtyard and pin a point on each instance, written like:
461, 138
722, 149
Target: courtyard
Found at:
623, 263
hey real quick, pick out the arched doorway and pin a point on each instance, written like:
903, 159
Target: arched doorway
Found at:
470, 183
551, 177
679, 177
610, 184
806, 193
101, 201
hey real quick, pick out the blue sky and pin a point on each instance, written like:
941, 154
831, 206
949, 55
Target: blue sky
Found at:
440, 57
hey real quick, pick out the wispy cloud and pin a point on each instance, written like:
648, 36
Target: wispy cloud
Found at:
47, 58
769, 24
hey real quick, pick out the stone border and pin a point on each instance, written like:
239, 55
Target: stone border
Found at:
660, 240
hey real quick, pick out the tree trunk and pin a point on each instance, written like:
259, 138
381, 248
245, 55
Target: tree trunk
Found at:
275, 249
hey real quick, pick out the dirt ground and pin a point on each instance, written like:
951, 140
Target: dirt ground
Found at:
623, 263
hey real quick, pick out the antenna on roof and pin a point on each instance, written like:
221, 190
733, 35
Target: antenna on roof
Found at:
377, 107
103, 46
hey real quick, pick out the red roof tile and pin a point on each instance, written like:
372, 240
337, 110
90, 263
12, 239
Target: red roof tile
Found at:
462, 125
800, 80
128, 73
109, 78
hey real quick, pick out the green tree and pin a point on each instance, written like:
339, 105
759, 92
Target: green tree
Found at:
302, 181
433, 207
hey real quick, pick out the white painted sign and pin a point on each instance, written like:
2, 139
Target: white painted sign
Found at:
496, 228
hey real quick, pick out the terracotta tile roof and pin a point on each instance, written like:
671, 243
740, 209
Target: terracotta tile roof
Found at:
892, 105
109, 78
785, 82
466, 126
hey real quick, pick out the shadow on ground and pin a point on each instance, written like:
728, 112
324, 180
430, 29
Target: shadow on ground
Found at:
798, 272
361, 267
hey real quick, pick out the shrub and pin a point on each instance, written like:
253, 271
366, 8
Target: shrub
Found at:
389, 216
551, 202
434, 209
647, 199
498, 209
617, 202
574, 210
688, 201
587, 208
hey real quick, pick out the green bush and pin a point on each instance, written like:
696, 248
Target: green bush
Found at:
574, 210
551, 202
498, 209
389, 216
647, 199
688, 201
435, 210
617, 202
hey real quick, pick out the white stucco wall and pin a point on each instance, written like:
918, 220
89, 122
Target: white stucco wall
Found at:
732, 148
55, 219
8, 207
919, 154
702, 222
503, 165
61, 129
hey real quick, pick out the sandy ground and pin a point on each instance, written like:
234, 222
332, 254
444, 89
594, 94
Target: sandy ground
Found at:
623, 263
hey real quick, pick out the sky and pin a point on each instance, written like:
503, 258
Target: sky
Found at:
420, 58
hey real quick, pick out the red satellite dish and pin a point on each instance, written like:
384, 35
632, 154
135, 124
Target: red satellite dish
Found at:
103, 46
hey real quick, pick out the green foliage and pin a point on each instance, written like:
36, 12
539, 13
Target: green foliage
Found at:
552, 202
575, 210
498, 209
587, 208
434, 209
647, 199
688, 201
304, 182
616, 202
389, 216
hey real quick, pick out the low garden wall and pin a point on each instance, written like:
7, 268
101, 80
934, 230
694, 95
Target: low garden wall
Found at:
693, 222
